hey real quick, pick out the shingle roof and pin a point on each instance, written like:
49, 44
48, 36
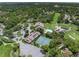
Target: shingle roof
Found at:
32, 36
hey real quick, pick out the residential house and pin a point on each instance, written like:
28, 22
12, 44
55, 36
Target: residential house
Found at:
1, 29
59, 29
39, 25
67, 16
48, 31
19, 35
32, 36
66, 52
56, 5
77, 54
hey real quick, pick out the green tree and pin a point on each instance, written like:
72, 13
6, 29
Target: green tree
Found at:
72, 45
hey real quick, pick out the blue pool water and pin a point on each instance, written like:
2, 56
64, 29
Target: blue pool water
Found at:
43, 40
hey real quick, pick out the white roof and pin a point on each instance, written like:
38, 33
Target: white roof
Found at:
59, 29
39, 24
2, 26
48, 30
27, 49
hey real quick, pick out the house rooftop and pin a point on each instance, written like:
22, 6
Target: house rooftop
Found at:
59, 29
2, 26
32, 36
39, 25
48, 30
66, 52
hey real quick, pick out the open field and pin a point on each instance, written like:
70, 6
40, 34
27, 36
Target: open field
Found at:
72, 35
54, 20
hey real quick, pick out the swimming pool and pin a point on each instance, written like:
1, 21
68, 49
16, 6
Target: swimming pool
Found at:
43, 40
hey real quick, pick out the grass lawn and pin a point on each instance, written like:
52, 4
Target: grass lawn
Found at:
73, 27
55, 18
53, 22
74, 35
5, 50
